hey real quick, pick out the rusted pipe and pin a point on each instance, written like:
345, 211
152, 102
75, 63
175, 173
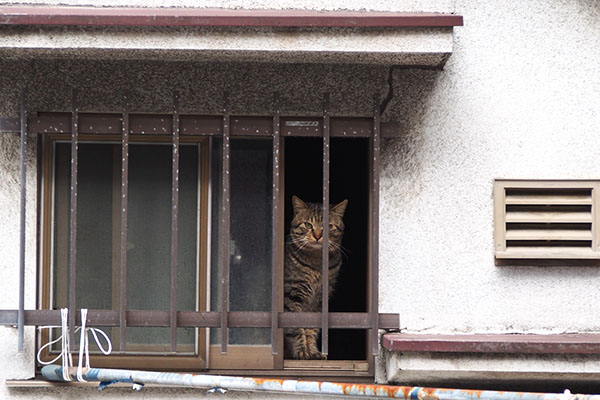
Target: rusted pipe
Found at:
54, 373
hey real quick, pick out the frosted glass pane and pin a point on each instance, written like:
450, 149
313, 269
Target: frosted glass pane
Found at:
148, 236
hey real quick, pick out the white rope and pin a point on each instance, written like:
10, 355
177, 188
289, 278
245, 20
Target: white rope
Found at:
65, 353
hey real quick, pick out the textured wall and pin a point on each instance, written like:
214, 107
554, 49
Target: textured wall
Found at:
517, 99
382, 5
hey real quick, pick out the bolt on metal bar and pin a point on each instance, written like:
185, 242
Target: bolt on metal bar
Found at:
375, 226
73, 215
124, 211
174, 222
275, 264
21, 314
225, 228
325, 266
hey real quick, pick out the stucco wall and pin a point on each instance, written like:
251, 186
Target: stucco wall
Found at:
517, 99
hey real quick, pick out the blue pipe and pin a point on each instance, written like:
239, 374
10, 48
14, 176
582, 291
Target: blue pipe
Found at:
107, 376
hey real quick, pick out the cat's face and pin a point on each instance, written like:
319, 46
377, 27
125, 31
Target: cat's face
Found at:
307, 225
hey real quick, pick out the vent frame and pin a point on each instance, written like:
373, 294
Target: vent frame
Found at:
546, 219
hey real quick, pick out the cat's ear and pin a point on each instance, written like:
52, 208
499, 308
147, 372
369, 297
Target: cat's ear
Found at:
340, 208
298, 204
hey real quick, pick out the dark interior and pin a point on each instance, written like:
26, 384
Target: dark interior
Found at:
349, 179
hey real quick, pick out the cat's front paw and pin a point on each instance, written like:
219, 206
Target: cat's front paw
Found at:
318, 356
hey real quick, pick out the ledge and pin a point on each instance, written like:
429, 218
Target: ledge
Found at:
518, 344
171, 16
197, 34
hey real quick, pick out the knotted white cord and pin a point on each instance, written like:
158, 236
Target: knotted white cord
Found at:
65, 354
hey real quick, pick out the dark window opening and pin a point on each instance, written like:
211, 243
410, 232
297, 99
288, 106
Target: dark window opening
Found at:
349, 179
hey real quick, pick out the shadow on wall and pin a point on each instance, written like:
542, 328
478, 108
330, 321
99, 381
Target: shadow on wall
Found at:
412, 91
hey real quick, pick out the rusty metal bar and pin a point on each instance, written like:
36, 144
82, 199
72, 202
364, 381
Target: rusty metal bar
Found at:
275, 264
123, 238
375, 146
200, 125
212, 319
21, 316
225, 229
73, 216
88, 16
175, 222
325, 259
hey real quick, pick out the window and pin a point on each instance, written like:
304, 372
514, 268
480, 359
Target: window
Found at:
546, 219
179, 217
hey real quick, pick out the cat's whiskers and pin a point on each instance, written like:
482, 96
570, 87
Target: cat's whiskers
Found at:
338, 247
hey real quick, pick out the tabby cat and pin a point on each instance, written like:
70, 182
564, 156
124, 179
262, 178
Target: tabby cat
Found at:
303, 266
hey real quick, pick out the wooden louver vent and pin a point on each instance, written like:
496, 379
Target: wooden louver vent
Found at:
545, 220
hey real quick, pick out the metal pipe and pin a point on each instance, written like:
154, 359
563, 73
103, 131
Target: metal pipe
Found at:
54, 373
21, 313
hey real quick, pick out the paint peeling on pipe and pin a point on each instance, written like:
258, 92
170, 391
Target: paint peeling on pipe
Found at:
54, 373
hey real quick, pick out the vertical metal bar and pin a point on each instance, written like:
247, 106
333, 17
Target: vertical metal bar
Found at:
123, 239
375, 226
325, 266
224, 239
73, 216
175, 222
275, 284
21, 315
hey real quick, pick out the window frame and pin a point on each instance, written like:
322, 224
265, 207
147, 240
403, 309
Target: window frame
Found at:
276, 319
503, 251
151, 361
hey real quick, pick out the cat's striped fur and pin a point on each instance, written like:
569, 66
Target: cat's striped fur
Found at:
303, 265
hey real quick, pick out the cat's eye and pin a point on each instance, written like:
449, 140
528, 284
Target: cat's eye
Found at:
308, 225
332, 227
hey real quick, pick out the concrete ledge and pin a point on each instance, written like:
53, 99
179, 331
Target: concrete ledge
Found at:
401, 46
481, 359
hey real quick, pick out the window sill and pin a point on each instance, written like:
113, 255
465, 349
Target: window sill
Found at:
500, 343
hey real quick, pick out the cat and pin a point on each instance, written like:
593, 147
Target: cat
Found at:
303, 266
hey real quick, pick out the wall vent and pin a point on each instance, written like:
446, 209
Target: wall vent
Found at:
546, 219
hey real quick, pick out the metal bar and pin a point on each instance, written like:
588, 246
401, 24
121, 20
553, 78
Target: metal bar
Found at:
375, 226
320, 388
88, 16
225, 220
325, 258
201, 125
124, 211
73, 216
275, 264
237, 319
21, 316
175, 222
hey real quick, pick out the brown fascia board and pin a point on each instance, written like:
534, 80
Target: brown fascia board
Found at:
207, 17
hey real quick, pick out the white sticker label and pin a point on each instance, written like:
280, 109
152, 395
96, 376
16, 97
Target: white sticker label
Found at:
302, 123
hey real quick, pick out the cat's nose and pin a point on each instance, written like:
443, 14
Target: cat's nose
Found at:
317, 233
